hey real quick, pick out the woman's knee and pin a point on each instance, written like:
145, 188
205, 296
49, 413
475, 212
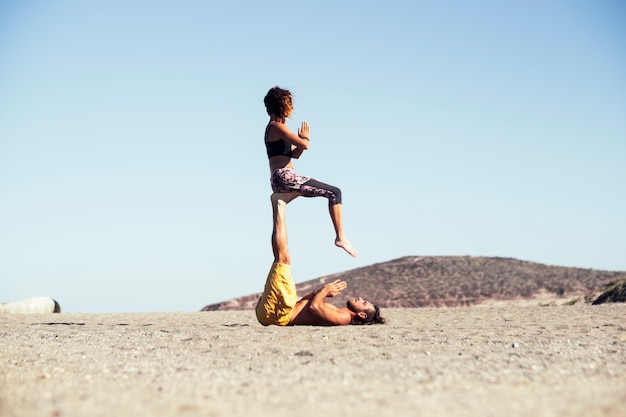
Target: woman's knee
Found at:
337, 196
333, 194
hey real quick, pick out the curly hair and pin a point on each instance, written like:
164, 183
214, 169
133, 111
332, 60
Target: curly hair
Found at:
278, 102
372, 317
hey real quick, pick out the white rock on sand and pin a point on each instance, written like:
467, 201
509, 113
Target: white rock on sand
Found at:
31, 306
514, 361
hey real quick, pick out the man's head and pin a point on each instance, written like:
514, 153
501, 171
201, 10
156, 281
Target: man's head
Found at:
366, 312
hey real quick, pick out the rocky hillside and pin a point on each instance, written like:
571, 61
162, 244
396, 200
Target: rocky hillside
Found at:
438, 281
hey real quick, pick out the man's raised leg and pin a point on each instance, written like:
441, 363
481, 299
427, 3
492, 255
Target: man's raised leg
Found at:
279, 232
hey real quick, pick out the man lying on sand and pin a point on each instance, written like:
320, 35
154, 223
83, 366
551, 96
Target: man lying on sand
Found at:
279, 303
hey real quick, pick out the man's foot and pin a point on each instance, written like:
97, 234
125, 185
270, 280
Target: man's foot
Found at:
345, 244
286, 197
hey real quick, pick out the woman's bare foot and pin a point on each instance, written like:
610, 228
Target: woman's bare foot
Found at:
345, 244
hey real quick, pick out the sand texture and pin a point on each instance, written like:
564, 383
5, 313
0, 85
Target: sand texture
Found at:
478, 361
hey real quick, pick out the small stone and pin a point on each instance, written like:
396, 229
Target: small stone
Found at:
515, 345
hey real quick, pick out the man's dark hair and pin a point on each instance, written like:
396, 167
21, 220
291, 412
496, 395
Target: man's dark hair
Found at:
373, 316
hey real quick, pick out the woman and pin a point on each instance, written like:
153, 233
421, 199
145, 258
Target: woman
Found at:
282, 145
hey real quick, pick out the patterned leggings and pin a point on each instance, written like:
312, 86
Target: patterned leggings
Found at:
285, 180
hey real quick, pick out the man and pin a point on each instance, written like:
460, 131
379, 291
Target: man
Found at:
279, 303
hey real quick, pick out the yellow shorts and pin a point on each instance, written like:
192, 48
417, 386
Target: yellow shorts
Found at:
279, 297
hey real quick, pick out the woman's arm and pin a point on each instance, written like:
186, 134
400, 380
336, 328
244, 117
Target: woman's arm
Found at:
296, 151
301, 140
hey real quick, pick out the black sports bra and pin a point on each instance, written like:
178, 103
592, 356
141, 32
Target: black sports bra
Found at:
279, 147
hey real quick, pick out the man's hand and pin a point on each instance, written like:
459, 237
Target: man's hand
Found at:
327, 313
335, 288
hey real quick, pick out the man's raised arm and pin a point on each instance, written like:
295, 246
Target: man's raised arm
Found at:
326, 311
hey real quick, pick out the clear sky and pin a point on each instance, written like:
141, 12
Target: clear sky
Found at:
133, 175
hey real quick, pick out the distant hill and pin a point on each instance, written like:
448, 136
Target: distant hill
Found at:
450, 281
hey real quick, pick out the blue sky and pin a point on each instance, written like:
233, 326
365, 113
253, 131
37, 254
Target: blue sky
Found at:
133, 175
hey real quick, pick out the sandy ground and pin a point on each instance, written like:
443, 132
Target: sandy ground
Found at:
489, 361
